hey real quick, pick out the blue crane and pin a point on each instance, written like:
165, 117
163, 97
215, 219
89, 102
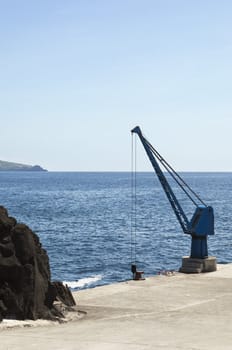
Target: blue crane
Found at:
202, 222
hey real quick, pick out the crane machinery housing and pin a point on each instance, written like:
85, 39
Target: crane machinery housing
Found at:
202, 222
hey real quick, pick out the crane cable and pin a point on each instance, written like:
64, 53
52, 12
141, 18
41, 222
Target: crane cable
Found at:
133, 200
176, 177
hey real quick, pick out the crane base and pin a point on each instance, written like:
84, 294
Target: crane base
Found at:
194, 265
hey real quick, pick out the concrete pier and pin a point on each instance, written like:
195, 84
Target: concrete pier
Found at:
166, 312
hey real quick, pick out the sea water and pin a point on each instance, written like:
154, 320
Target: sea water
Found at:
93, 228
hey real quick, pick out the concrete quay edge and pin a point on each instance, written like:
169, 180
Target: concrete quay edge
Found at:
165, 312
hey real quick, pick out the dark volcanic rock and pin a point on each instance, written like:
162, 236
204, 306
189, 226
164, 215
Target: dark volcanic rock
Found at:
26, 290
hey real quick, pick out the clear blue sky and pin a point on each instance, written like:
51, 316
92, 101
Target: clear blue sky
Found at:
77, 75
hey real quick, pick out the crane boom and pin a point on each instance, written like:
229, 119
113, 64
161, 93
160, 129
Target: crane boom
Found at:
202, 222
181, 217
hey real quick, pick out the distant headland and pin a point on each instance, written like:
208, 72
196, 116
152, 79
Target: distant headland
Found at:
9, 166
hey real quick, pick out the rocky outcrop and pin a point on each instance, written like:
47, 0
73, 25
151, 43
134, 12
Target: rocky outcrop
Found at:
26, 290
9, 166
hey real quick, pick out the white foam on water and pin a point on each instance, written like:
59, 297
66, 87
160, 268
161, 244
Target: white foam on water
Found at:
83, 282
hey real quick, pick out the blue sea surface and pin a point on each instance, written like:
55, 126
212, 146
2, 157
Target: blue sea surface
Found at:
86, 223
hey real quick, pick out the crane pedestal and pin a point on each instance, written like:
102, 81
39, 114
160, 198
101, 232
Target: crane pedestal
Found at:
195, 265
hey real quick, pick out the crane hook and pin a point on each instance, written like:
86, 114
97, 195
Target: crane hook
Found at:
137, 275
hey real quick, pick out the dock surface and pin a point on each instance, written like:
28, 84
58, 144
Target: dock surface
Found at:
165, 312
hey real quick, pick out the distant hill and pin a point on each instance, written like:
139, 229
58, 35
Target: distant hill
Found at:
9, 166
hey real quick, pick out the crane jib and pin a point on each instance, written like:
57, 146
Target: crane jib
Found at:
202, 221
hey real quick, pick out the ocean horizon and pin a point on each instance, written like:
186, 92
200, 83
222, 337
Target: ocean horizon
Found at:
85, 221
